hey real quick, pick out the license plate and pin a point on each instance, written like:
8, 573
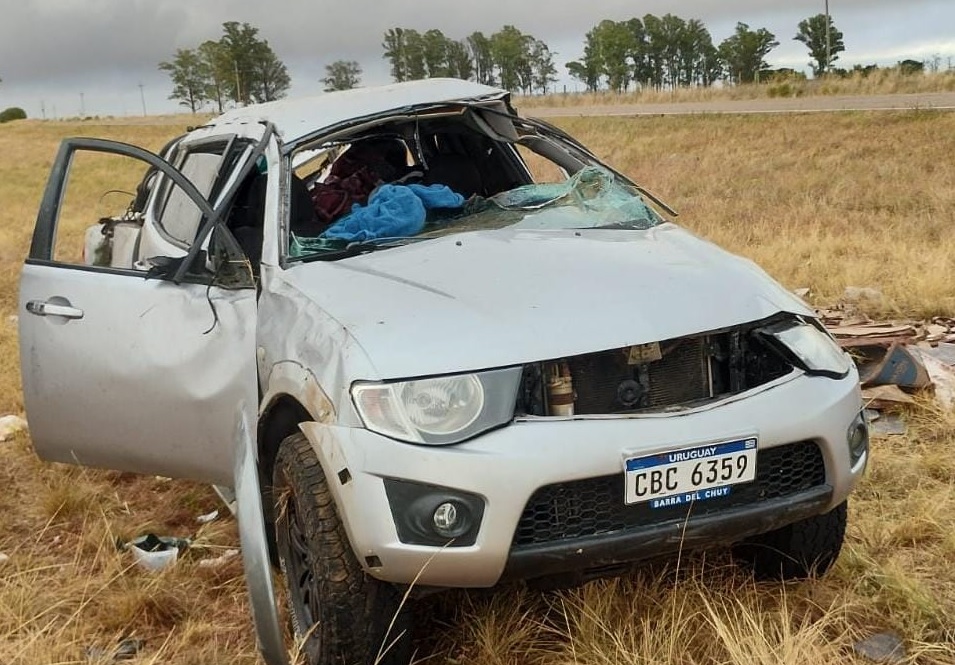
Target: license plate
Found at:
690, 474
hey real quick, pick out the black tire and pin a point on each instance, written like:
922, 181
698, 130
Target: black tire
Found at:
807, 548
345, 616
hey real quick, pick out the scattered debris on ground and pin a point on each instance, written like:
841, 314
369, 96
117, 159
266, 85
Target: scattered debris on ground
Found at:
896, 359
885, 424
154, 552
10, 426
219, 561
208, 517
4, 558
881, 648
127, 649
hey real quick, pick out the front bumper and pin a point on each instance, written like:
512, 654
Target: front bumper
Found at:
606, 551
506, 466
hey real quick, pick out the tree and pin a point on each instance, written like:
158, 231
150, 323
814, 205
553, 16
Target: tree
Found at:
342, 75
910, 67
414, 56
269, 80
394, 44
812, 33
190, 75
744, 53
585, 70
460, 63
482, 58
12, 113
256, 74
239, 65
510, 49
215, 62
612, 44
543, 71
435, 47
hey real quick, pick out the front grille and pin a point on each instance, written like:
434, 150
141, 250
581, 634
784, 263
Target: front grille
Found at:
595, 506
670, 374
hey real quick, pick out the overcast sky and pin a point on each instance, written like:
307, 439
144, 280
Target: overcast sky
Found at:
58, 54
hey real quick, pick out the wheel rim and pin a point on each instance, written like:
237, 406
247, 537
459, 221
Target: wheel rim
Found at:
300, 579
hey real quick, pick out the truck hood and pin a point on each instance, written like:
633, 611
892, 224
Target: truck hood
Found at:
495, 298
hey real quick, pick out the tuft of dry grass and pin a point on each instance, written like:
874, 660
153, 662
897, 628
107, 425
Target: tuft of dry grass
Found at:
819, 200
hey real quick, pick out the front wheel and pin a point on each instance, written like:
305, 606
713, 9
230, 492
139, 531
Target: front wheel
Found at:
342, 615
803, 549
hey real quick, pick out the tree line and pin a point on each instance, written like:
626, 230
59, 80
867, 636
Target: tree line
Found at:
239, 67
508, 57
652, 52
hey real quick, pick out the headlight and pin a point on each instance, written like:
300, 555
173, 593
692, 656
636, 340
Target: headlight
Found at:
438, 410
814, 350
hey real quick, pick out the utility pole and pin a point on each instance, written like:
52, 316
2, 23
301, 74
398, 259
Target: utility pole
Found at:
142, 98
43, 109
828, 38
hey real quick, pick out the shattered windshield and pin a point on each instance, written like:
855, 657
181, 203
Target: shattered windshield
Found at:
394, 193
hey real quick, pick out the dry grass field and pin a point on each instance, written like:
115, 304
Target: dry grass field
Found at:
882, 82
819, 200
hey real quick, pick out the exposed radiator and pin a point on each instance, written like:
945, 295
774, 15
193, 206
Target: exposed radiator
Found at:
605, 382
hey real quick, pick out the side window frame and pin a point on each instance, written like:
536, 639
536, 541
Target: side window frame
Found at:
44, 235
227, 159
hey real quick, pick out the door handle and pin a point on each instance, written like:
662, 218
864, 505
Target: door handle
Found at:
45, 308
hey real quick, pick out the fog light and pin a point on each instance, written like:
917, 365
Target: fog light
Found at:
857, 438
433, 515
446, 520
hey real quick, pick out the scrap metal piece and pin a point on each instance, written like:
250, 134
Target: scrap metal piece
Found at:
899, 366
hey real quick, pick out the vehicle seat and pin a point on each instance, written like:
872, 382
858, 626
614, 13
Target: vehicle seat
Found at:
458, 172
247, 218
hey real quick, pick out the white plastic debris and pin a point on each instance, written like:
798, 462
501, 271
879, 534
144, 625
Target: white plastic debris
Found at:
4, 558
943, 378
218, 561
154, 552
155, 560
208, 517
10, 425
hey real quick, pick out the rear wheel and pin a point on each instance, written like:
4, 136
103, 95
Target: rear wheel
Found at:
796, 551
342, 615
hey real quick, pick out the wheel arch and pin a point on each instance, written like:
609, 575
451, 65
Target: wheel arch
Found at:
293, 396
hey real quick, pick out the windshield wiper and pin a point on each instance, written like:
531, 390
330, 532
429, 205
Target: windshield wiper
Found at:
349, 250
356, 248
629, 225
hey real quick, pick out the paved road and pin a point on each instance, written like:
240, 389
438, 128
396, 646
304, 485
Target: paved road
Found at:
933, 100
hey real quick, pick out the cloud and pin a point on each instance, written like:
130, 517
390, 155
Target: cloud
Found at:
108, 45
